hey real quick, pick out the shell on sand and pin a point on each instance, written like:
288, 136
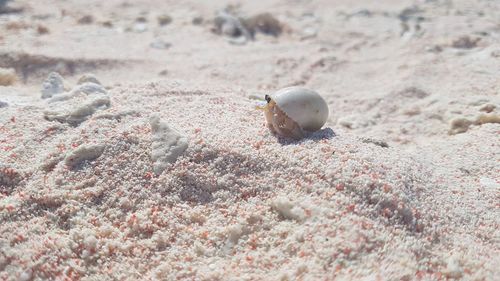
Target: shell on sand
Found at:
293, 111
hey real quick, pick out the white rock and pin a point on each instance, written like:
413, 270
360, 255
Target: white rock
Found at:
53, 85
78, 110
287, 209
83, 153
168, 144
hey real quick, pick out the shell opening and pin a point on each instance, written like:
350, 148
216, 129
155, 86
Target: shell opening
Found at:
279, 123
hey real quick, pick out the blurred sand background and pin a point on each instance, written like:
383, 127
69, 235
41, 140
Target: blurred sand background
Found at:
402, 184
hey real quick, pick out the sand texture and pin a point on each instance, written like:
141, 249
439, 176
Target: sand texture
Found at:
132, 146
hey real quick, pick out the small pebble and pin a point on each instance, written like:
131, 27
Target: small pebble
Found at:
197, 20
164, 20
465, 42
459, 125
88, 78
141, 19
264, 23
488, 108
87, 19
107, 24
42, 30
53, 85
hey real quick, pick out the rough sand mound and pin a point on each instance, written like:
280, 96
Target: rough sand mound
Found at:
123, 178
238, 197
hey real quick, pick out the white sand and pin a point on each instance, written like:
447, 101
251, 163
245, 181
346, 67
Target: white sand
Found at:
79, 196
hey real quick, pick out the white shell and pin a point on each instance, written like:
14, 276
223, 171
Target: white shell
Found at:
306, 107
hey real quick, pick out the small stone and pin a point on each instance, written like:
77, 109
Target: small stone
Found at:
488, 108
88, 77
434, 49
77, 108
412, 111
197, 20
164, 20
264, 23
347, 122
53, 85
3, 104
465, 42
413, 92
487, 118
87, 19
141, 19
107, 24
459, 125
230, 25
89, 88
408, 13
41, 30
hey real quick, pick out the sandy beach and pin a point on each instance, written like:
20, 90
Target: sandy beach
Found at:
132, 146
